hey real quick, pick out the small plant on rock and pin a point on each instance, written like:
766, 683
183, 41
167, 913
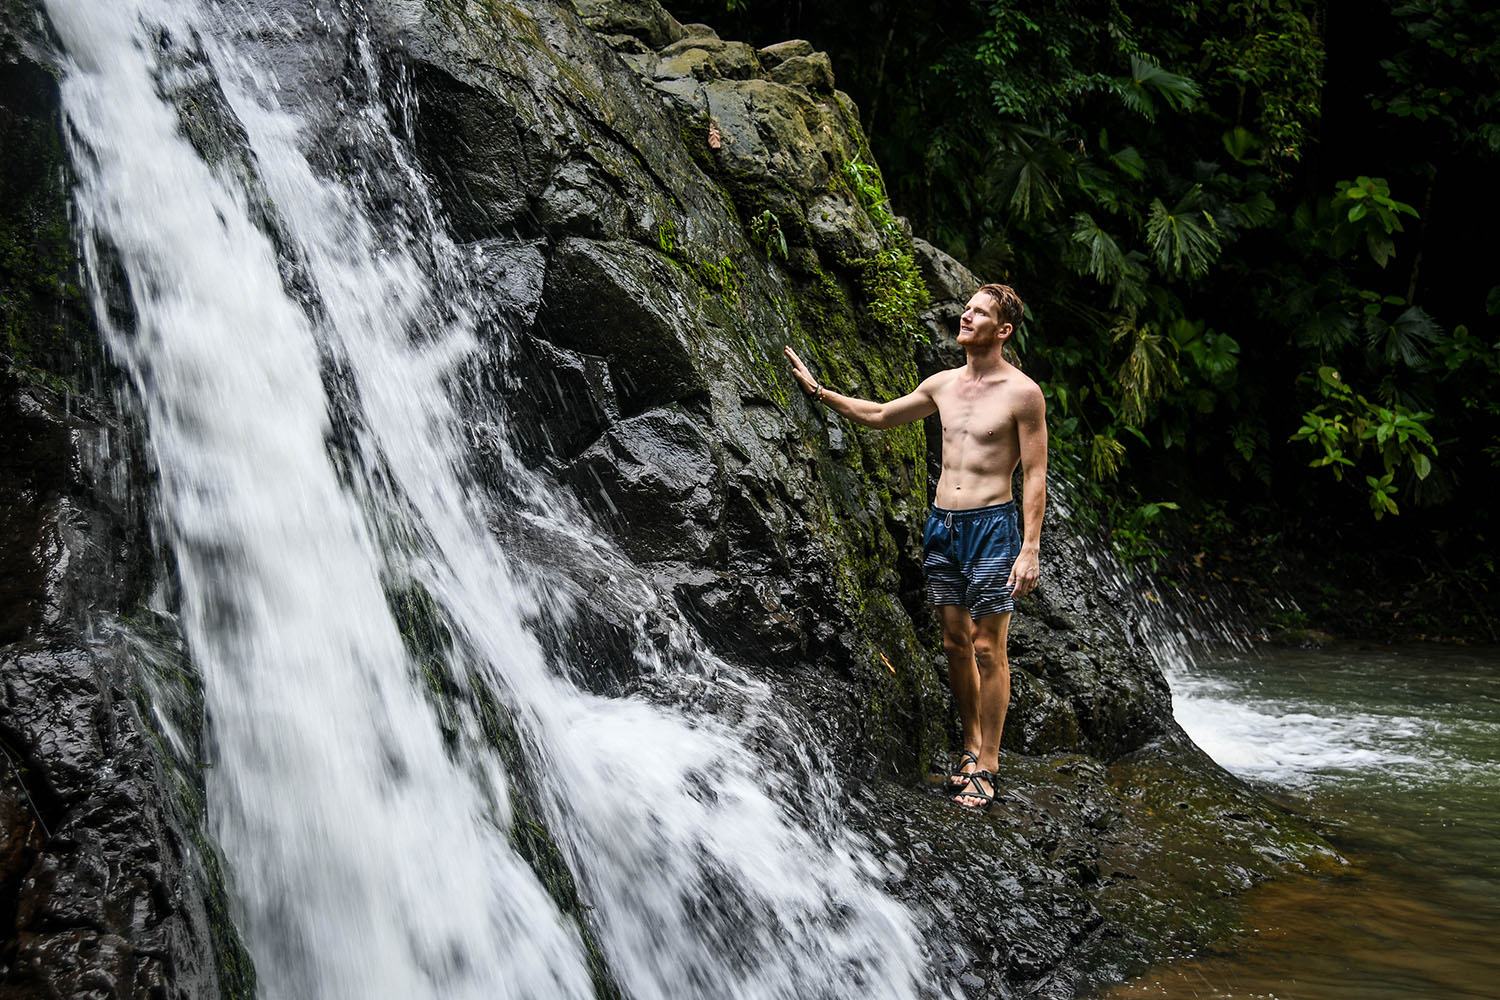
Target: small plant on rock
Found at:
766, 233
896, 292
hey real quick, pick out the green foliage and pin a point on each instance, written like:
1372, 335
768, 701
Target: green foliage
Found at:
1147, 371
766, 233
1149, 86
1445, 76
864, 180
1184, 241
895, 292
1105, 457
1136, 537
1366, 213
1276, 65
1346, 426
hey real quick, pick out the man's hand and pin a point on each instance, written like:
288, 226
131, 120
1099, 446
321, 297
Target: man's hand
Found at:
1025, 573
799, 371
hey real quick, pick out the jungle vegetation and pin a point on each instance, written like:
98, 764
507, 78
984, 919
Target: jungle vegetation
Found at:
1254, 240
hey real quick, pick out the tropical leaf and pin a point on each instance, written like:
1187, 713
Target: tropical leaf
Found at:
1241, 143
1184, 241
1149, 83
1255, 211
1147, 372
1130, 287
1031, 170
1105, 259
1130, 162
1326, 329
1408, 339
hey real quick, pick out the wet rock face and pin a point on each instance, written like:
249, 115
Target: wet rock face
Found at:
99, 891
647, 372
622, 300
689, 208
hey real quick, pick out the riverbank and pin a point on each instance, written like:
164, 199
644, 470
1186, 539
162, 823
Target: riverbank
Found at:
1392, 754
1323, 581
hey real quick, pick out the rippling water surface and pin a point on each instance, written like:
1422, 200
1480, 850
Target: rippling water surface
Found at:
1395, 755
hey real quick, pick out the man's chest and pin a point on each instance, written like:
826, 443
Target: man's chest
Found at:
982, 414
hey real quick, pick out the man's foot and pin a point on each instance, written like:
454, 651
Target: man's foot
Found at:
978, 793
958, 778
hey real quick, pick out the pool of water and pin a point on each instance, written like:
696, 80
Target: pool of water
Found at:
1394, 753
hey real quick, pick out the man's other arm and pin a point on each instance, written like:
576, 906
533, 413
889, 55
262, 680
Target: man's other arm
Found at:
1031, 426
913, 406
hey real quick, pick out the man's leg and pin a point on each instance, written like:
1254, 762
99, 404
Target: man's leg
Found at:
963, 674
993, 672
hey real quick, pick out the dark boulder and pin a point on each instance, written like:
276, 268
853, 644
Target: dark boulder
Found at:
624, 302
484, 154
654, 477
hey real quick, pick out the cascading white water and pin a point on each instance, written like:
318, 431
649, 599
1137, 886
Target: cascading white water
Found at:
369, 858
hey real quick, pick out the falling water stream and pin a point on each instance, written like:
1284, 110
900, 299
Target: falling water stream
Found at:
305, 344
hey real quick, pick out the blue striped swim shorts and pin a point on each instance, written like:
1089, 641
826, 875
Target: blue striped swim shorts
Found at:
968, 555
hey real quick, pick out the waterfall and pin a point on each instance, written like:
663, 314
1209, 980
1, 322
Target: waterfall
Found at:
305, 343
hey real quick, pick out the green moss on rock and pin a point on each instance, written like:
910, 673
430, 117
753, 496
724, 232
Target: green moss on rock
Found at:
41, 306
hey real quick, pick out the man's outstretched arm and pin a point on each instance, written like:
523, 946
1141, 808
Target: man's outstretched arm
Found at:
913, 406
1031, 426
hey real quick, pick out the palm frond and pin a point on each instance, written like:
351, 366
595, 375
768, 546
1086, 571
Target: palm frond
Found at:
1105, 457
1408, 338
1105, 259
1148, 370
1149, 83
1184, 241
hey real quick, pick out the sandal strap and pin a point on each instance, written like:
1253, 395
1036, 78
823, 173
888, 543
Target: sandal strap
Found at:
971, 787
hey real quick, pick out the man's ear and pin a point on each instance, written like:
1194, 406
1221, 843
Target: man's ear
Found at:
1007, 330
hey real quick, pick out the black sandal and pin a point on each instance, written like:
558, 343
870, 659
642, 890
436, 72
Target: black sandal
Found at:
956, 779
971, 790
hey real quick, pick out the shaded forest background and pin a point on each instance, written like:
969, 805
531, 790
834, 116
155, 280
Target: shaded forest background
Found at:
1257, 243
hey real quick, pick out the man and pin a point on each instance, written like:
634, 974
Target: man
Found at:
993, 417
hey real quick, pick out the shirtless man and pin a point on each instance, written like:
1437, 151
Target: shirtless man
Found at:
993, 417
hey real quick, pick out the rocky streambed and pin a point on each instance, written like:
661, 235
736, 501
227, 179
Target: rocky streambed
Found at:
655, 211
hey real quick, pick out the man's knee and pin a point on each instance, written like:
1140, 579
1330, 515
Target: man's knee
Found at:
989, 655
957, 643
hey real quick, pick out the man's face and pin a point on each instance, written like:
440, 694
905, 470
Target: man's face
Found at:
980, 324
